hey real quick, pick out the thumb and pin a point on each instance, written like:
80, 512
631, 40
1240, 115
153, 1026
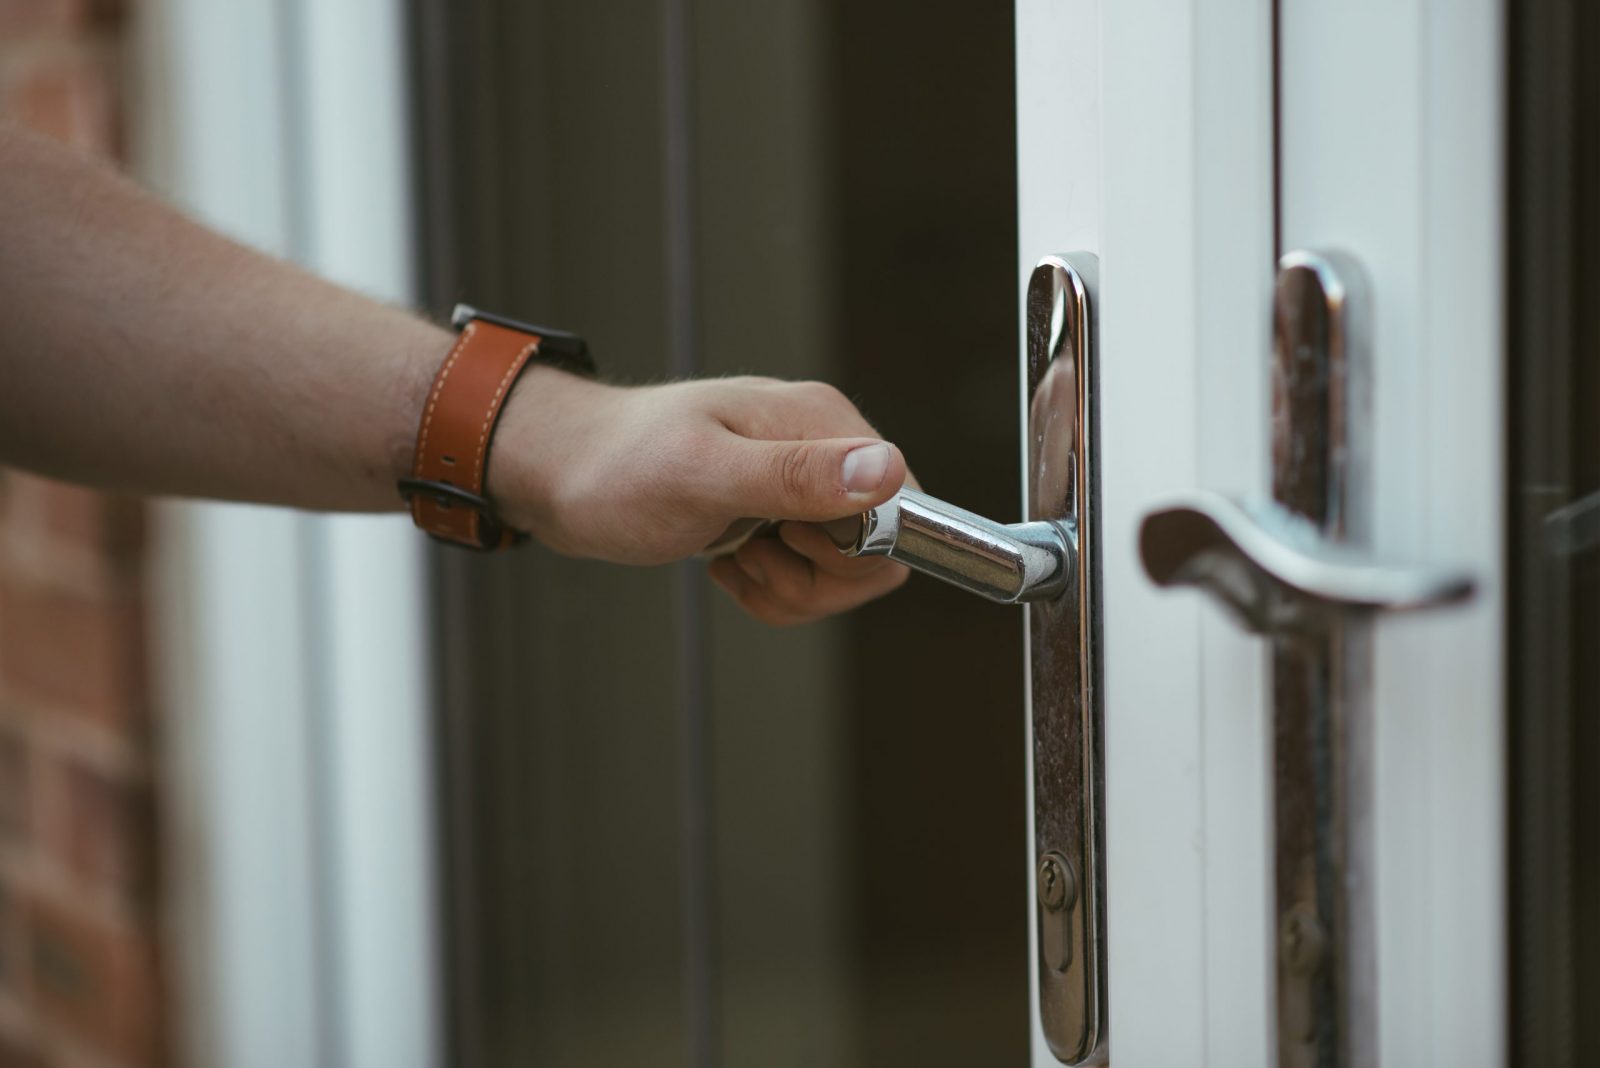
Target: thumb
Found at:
812, 481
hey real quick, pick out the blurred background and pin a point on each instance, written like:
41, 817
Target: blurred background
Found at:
278, 789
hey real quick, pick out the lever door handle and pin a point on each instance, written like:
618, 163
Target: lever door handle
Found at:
1276, 573
1009, 563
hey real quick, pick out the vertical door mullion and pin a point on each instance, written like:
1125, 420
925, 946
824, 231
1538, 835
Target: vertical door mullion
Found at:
1234, 263
1186, 288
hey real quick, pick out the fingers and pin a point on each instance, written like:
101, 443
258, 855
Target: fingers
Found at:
800, 577
812, 543
814, 481
752, 597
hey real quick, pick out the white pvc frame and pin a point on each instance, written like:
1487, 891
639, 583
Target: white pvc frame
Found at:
1393, 119
1145, 134
293, 647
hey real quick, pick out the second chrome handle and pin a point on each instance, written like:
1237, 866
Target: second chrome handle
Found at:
1276, 574
1008, 563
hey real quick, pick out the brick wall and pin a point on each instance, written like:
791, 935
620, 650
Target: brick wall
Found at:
80, 954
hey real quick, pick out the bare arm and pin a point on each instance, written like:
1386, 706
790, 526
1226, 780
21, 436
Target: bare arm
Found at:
143, 352
140, 351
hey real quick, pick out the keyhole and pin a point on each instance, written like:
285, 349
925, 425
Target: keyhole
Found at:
1057, 894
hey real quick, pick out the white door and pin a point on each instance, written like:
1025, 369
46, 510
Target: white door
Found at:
1191, 146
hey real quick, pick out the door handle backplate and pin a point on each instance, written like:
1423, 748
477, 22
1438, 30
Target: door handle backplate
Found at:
1050, 562
1064, 662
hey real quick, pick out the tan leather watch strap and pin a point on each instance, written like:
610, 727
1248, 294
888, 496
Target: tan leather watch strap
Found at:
453, 439
458, 423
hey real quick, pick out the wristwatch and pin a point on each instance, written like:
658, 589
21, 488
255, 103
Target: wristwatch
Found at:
445, 489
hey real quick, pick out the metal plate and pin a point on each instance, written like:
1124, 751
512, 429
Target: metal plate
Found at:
1064, 663
1322, 886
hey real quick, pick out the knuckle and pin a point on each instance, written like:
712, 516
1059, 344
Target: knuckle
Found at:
822, 394
741, 384
768, 612
789, 618
790, 589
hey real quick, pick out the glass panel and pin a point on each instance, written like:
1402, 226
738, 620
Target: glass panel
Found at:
1554, 534
678, 837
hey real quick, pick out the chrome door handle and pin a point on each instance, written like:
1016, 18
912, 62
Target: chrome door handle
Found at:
1008, 563
1275, 573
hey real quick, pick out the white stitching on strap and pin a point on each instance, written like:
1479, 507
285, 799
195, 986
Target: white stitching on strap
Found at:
433, 397
494, 407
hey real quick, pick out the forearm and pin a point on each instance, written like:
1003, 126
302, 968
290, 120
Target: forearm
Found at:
140, 350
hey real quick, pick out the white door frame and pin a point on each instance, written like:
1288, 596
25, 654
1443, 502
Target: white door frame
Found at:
1145, 134
1401, 166
294, 656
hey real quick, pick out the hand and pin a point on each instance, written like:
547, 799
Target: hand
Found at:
647, 475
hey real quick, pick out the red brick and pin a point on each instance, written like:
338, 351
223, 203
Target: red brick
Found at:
95, 980
78, 652
16, 782
75, 987
106, 13
24, 17
100, 828
68, 95
13, 968
56, 18
15, 1054
43, 510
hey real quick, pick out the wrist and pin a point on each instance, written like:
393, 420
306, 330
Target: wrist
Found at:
463, 427
540, 445
421, 352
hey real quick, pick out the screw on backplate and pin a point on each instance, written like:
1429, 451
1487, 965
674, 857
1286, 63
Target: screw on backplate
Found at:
1056, 886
